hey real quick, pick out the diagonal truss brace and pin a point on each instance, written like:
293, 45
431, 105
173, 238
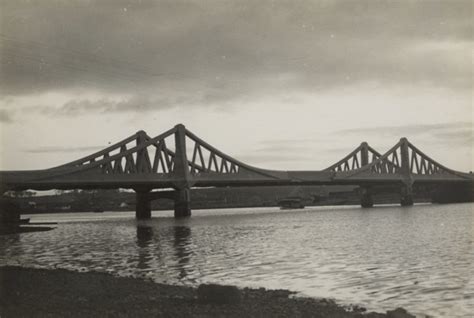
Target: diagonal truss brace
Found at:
407, 160
358, 158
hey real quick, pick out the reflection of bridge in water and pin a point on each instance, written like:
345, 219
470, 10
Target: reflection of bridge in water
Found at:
149, 248
180, 160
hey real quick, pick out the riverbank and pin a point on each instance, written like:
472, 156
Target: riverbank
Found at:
208, 198
26, 292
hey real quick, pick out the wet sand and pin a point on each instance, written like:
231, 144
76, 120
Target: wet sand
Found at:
26, 292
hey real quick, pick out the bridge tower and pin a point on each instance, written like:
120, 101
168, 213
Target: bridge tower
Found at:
182, 175
366, 200
406, 191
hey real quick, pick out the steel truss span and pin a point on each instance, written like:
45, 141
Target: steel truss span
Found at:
180, 160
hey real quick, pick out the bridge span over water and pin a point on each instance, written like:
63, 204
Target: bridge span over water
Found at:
177, 159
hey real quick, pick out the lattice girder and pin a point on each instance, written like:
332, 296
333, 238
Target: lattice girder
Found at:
141, 154
421, 164
389, 163
207, 159
130, 156
358, 158
150, 155
407, 161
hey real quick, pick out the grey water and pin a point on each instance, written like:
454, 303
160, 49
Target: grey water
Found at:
420, 258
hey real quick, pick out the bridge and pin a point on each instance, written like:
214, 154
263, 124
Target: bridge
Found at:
177, 159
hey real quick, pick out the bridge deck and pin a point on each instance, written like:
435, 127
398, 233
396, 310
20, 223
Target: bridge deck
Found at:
46, 180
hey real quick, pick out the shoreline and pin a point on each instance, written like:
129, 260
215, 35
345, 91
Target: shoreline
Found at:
29, 292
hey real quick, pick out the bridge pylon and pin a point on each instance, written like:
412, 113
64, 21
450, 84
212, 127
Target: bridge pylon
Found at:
364, 153
406, 192
142, 200
182, 201
366, 199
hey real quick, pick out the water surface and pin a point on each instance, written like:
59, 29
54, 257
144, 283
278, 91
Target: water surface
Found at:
420, 258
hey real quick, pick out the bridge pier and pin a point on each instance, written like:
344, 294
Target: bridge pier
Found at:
406, 195
182, 203
142, 205
366, 200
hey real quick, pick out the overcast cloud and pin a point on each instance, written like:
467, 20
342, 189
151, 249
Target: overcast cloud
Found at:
225, 48
292, 70
442, 130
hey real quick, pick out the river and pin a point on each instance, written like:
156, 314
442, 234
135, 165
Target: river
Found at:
420, 258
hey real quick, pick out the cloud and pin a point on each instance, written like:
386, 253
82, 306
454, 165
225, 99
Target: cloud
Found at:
214, 51
5, 116
60, 149
447, 133
460, 135
79, 106
410, 129
109, 104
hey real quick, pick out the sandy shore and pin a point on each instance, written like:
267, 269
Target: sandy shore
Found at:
26, 292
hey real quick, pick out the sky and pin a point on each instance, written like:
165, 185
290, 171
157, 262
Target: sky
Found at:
291, 85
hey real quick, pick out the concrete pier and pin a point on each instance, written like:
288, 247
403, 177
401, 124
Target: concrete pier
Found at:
366, 200
182, 203
142, 205
406, 195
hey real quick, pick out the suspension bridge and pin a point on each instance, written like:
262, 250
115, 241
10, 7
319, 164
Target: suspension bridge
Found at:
178, 159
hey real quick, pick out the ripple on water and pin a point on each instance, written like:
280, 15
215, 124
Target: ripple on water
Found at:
419, 258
